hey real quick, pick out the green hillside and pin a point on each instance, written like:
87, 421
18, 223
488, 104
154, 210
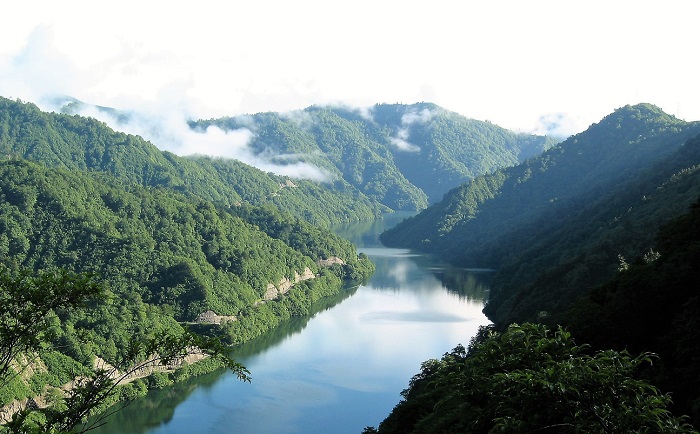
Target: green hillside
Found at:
79, 143
595, 235
403, 156
162, 259
478, 222
170, 249
532, 378
589, 245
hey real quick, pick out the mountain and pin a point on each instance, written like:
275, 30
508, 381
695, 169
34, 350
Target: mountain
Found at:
598, 235
171, 249
559, 223
80, 143
403, 156
478, 222
174, 243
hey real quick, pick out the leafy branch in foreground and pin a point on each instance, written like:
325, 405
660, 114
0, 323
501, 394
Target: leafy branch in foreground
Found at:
529, 379
26, 304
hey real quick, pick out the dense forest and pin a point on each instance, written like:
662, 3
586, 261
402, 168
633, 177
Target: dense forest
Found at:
154, 260
79, 143
112, 251
598, 234
403, 156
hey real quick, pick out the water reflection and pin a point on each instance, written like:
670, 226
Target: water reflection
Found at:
340, 369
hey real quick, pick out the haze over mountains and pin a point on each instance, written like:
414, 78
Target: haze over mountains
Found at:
402, 156
177, 236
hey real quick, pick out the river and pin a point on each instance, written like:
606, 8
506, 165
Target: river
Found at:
337, 371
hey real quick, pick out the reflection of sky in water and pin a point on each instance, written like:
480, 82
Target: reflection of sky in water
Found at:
353, 360
347, 366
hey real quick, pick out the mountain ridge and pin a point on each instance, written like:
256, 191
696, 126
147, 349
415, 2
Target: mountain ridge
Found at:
404, 156
584, 165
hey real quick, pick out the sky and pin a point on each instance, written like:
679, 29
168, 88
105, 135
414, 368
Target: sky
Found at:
531, 66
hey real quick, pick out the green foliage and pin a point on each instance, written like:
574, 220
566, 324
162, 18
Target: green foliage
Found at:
479, 220
530, 379
26, 304
29, 365
403, 156
161, 257
611, 188
653, 305
78, 143
157, 246
555, 225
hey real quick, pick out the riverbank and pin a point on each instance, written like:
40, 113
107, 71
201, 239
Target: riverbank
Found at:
37, 387
338, 369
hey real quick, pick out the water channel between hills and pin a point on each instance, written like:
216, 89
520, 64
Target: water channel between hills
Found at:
340, 369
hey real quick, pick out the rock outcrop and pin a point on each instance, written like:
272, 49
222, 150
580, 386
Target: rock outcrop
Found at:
285, 284
211, 317
330, 261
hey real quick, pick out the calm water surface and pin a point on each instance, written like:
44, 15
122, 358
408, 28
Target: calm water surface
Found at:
337, 371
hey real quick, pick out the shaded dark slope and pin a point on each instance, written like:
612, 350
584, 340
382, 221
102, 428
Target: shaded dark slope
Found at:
478, 222
654, 305
560, 263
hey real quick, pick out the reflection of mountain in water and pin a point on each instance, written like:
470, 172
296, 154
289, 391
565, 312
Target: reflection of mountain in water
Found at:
366, 233
153, 410
288, 328
472, 283
399, 269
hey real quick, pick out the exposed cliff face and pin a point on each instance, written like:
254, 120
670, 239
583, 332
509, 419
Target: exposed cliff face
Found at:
330, 261
137, 371
285, 284
210, 317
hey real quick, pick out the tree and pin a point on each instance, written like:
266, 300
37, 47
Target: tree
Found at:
530, 379
26, 302
26, 309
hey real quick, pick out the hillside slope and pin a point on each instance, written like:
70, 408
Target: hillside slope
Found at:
489, 211
80, 143
404, 156
555, 225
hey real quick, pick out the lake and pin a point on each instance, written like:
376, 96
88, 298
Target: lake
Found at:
339, 370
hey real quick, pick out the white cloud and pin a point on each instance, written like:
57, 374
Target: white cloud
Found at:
400, 140
170, 131
558, 125
509, 62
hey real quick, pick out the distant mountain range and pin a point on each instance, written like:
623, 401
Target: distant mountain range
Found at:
403, 156
400, 156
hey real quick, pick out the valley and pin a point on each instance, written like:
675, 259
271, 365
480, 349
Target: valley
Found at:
151, 242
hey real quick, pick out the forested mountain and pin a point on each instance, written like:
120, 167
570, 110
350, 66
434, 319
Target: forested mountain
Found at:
530, 378
167, 239
163, 258
403, 156
595, 235
79, 143
181, 254
653, 304
500, 218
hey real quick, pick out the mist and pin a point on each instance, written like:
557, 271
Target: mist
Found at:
169, 130
410, 118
